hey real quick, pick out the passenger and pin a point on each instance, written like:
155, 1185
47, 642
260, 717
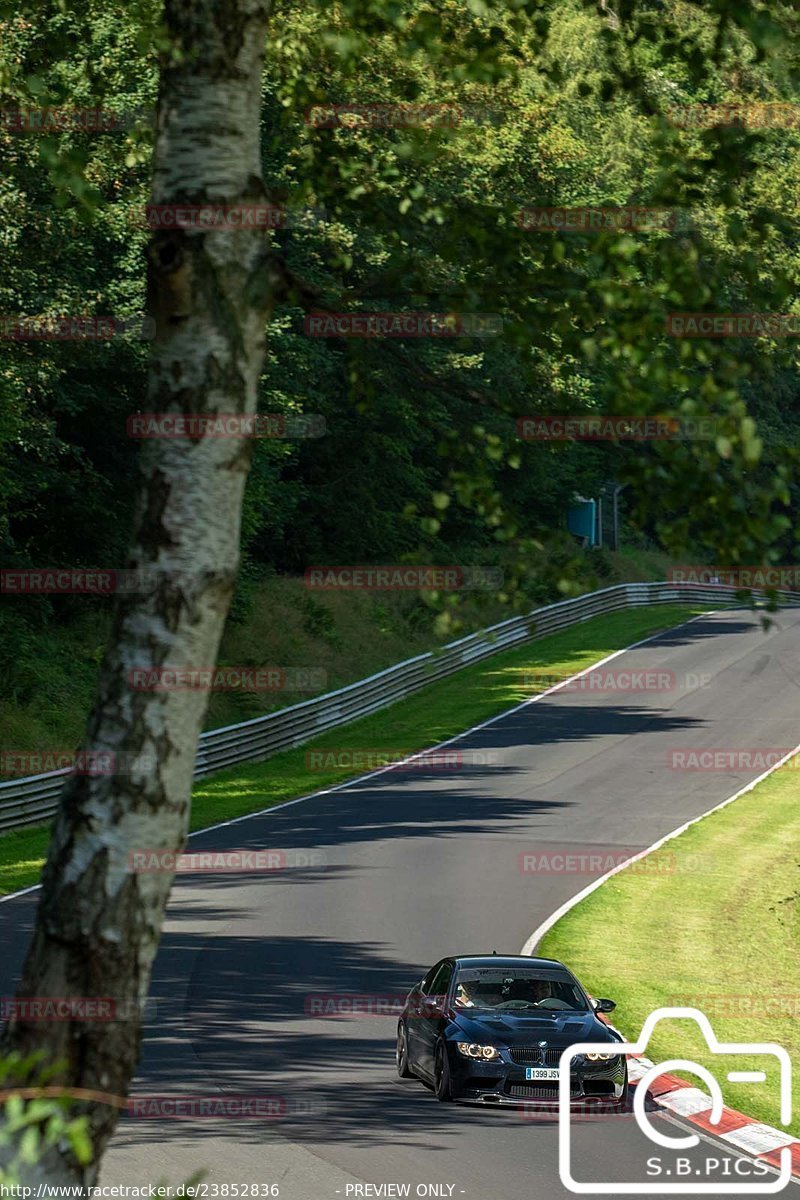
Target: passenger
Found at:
464, 996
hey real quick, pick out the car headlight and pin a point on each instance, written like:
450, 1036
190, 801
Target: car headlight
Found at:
473, 1050
595, 1056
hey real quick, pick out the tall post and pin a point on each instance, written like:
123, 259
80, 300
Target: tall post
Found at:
615, 525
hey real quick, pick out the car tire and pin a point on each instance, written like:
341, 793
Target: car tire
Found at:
441, 1074
403, 1069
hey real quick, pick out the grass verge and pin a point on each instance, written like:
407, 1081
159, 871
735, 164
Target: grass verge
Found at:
440, 711
710, 921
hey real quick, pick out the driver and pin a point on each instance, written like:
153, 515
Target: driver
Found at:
540, 989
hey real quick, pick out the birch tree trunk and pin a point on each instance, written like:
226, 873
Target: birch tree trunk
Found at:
98, 926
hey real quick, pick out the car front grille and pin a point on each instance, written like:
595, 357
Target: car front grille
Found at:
532, 1056
538, 1091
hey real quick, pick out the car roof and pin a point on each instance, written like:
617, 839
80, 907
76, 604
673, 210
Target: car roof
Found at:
506, 960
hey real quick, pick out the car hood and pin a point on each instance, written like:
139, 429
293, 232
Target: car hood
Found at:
557, 1029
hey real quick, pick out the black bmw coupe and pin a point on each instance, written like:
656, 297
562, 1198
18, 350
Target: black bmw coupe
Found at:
492, 1028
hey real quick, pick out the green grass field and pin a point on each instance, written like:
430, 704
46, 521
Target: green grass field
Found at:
713, 924
440, 711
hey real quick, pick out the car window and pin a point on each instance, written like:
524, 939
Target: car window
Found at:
425, 986
519, 988
440, 983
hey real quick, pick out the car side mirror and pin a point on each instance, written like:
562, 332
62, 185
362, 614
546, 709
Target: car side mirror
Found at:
434, 1006
604, 1006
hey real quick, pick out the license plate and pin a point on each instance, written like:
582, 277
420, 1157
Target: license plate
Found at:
542, 1073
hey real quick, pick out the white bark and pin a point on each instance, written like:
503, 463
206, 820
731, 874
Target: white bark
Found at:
98, 926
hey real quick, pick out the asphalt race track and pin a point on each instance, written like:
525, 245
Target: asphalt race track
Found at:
419, 863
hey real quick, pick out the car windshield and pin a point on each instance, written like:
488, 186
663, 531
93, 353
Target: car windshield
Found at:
518, 989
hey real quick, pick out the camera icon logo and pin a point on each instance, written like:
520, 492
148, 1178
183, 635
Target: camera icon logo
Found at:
766, 1049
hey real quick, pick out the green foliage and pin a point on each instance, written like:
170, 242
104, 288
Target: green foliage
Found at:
36, 1117
560, 105
39, 1115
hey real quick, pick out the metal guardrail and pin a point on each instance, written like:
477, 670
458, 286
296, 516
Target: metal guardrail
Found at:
34, 799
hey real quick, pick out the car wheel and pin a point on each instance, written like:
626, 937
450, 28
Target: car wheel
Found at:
403, 1069
441, 1071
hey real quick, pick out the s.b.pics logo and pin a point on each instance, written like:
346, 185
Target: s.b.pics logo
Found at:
672, 1171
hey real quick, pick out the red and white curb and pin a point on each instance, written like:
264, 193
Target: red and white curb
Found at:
693, 1105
